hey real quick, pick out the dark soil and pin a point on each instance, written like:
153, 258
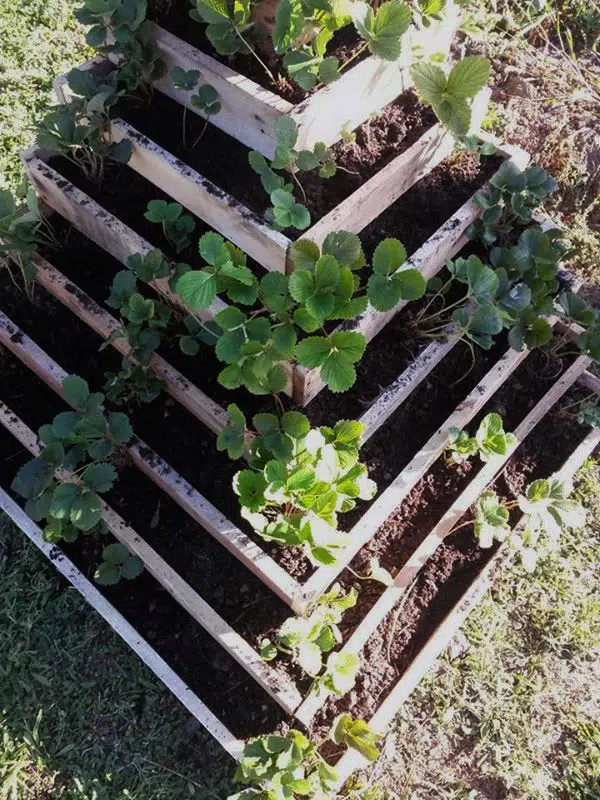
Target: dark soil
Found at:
174, 16
224, 160
416, 215
444, 579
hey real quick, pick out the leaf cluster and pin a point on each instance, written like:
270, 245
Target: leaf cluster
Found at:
84, 440
22, 231
177, 226
299, 479
547, 509
490, 440
80, 129
144, 322
117, 563
511, 199
285, 211
287, 767
309, 638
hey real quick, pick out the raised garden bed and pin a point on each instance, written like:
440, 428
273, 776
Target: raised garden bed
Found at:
250, 111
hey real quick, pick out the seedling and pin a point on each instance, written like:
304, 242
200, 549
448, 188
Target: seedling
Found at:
356, 734
22, 231
117, 563
547, 509
85, 441
489, 441
299, 479
144, 323
451, 95
307, 639
177, 226
285, 212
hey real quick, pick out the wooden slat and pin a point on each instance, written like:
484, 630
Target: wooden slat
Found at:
248, 112
166, 478
280, 688
394, 593
209, 721
386, 186
96, 223
222, 212
429, 259
105, 325
444, 633
392, 397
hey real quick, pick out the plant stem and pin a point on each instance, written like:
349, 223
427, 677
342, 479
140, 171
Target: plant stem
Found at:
201, 133
254, 53
183, 131
355, 55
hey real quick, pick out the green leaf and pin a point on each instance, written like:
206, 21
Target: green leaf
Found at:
107, 574
304, 254
468, 77
295, 424
132, 568
63, 498
100, 477
389, 255
345, 247
429, 81
120, 427
33, 478
197, 288
250, 488
75, 391
86, 511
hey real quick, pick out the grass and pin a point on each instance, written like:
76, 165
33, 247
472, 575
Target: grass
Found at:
512, 712
80, 715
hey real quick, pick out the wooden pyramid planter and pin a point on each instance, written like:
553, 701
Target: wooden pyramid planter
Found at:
250, 112
213, 589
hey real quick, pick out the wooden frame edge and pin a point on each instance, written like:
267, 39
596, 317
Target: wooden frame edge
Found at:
447, 629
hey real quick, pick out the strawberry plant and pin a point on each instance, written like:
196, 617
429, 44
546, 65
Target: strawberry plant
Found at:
86, 441
286, 767
177, 226
22, 231
307, 639
451, 94
118, 28
299, 479
511, 199
206, 98
144, 323
80, 130
490, 440
285, 211
547, 509
117, 563
302, 33
323, 287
